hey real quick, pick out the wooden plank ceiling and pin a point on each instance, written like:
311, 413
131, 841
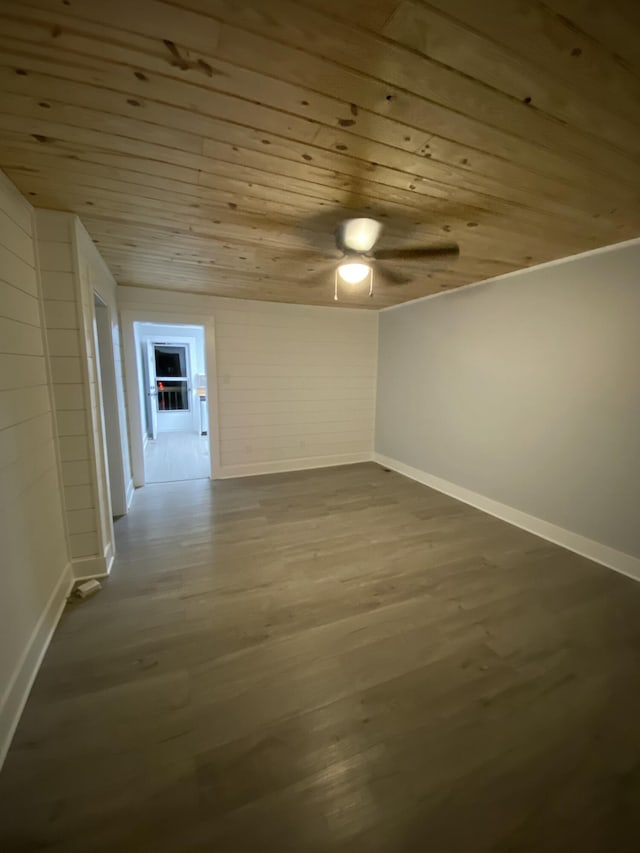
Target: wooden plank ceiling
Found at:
213, 145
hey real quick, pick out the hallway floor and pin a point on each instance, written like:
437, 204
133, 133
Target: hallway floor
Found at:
177, 456
333, 660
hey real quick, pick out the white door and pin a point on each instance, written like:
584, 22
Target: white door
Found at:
152, 391
174, 406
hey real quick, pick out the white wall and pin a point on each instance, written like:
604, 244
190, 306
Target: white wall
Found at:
295, 384
62, 314
102, 282
72, 271
35, 574
526, 391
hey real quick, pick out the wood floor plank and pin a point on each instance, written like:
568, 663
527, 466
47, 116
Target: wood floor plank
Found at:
332, 660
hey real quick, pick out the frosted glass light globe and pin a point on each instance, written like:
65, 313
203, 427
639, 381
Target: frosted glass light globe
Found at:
353, 273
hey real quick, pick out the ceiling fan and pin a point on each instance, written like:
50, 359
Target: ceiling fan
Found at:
356, 239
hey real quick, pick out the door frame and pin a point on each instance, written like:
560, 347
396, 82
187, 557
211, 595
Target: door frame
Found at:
149, 378
133, 374
108, 391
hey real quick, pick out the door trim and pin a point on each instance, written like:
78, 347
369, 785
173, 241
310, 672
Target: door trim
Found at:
132, 374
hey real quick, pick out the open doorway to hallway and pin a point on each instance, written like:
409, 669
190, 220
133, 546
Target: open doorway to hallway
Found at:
173, 396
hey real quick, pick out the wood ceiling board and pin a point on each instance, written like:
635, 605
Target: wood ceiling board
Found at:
164, 211
205, 125
320, 272
212, 204
430, 33
84, 95
515, 47
354, 47
526, 218
263, 91
231, 188
43, 157
607, 31
194, 131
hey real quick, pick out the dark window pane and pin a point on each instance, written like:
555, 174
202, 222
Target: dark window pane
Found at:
172, 396
170, 361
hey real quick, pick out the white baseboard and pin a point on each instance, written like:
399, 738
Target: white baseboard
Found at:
284, 465
130, 493
17, 692
86, 568
626, 564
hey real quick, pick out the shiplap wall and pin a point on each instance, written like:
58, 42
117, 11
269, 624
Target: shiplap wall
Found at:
72, 272
35, 574
104, 545
96, 278
295, 384
70, 387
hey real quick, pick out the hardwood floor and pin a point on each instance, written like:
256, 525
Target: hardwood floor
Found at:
333, 660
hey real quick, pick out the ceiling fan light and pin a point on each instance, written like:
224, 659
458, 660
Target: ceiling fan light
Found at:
360, 235
353, 273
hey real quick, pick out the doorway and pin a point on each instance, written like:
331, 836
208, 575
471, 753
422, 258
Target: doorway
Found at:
173, 396
110, 408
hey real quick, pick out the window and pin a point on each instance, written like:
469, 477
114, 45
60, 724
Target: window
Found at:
172, 378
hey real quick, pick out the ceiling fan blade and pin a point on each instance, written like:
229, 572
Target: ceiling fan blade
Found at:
307, 256
390, 276
436, 251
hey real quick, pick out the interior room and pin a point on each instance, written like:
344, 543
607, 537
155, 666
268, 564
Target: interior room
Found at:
319, 405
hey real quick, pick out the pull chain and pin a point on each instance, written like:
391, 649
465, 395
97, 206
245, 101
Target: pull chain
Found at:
335, 284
